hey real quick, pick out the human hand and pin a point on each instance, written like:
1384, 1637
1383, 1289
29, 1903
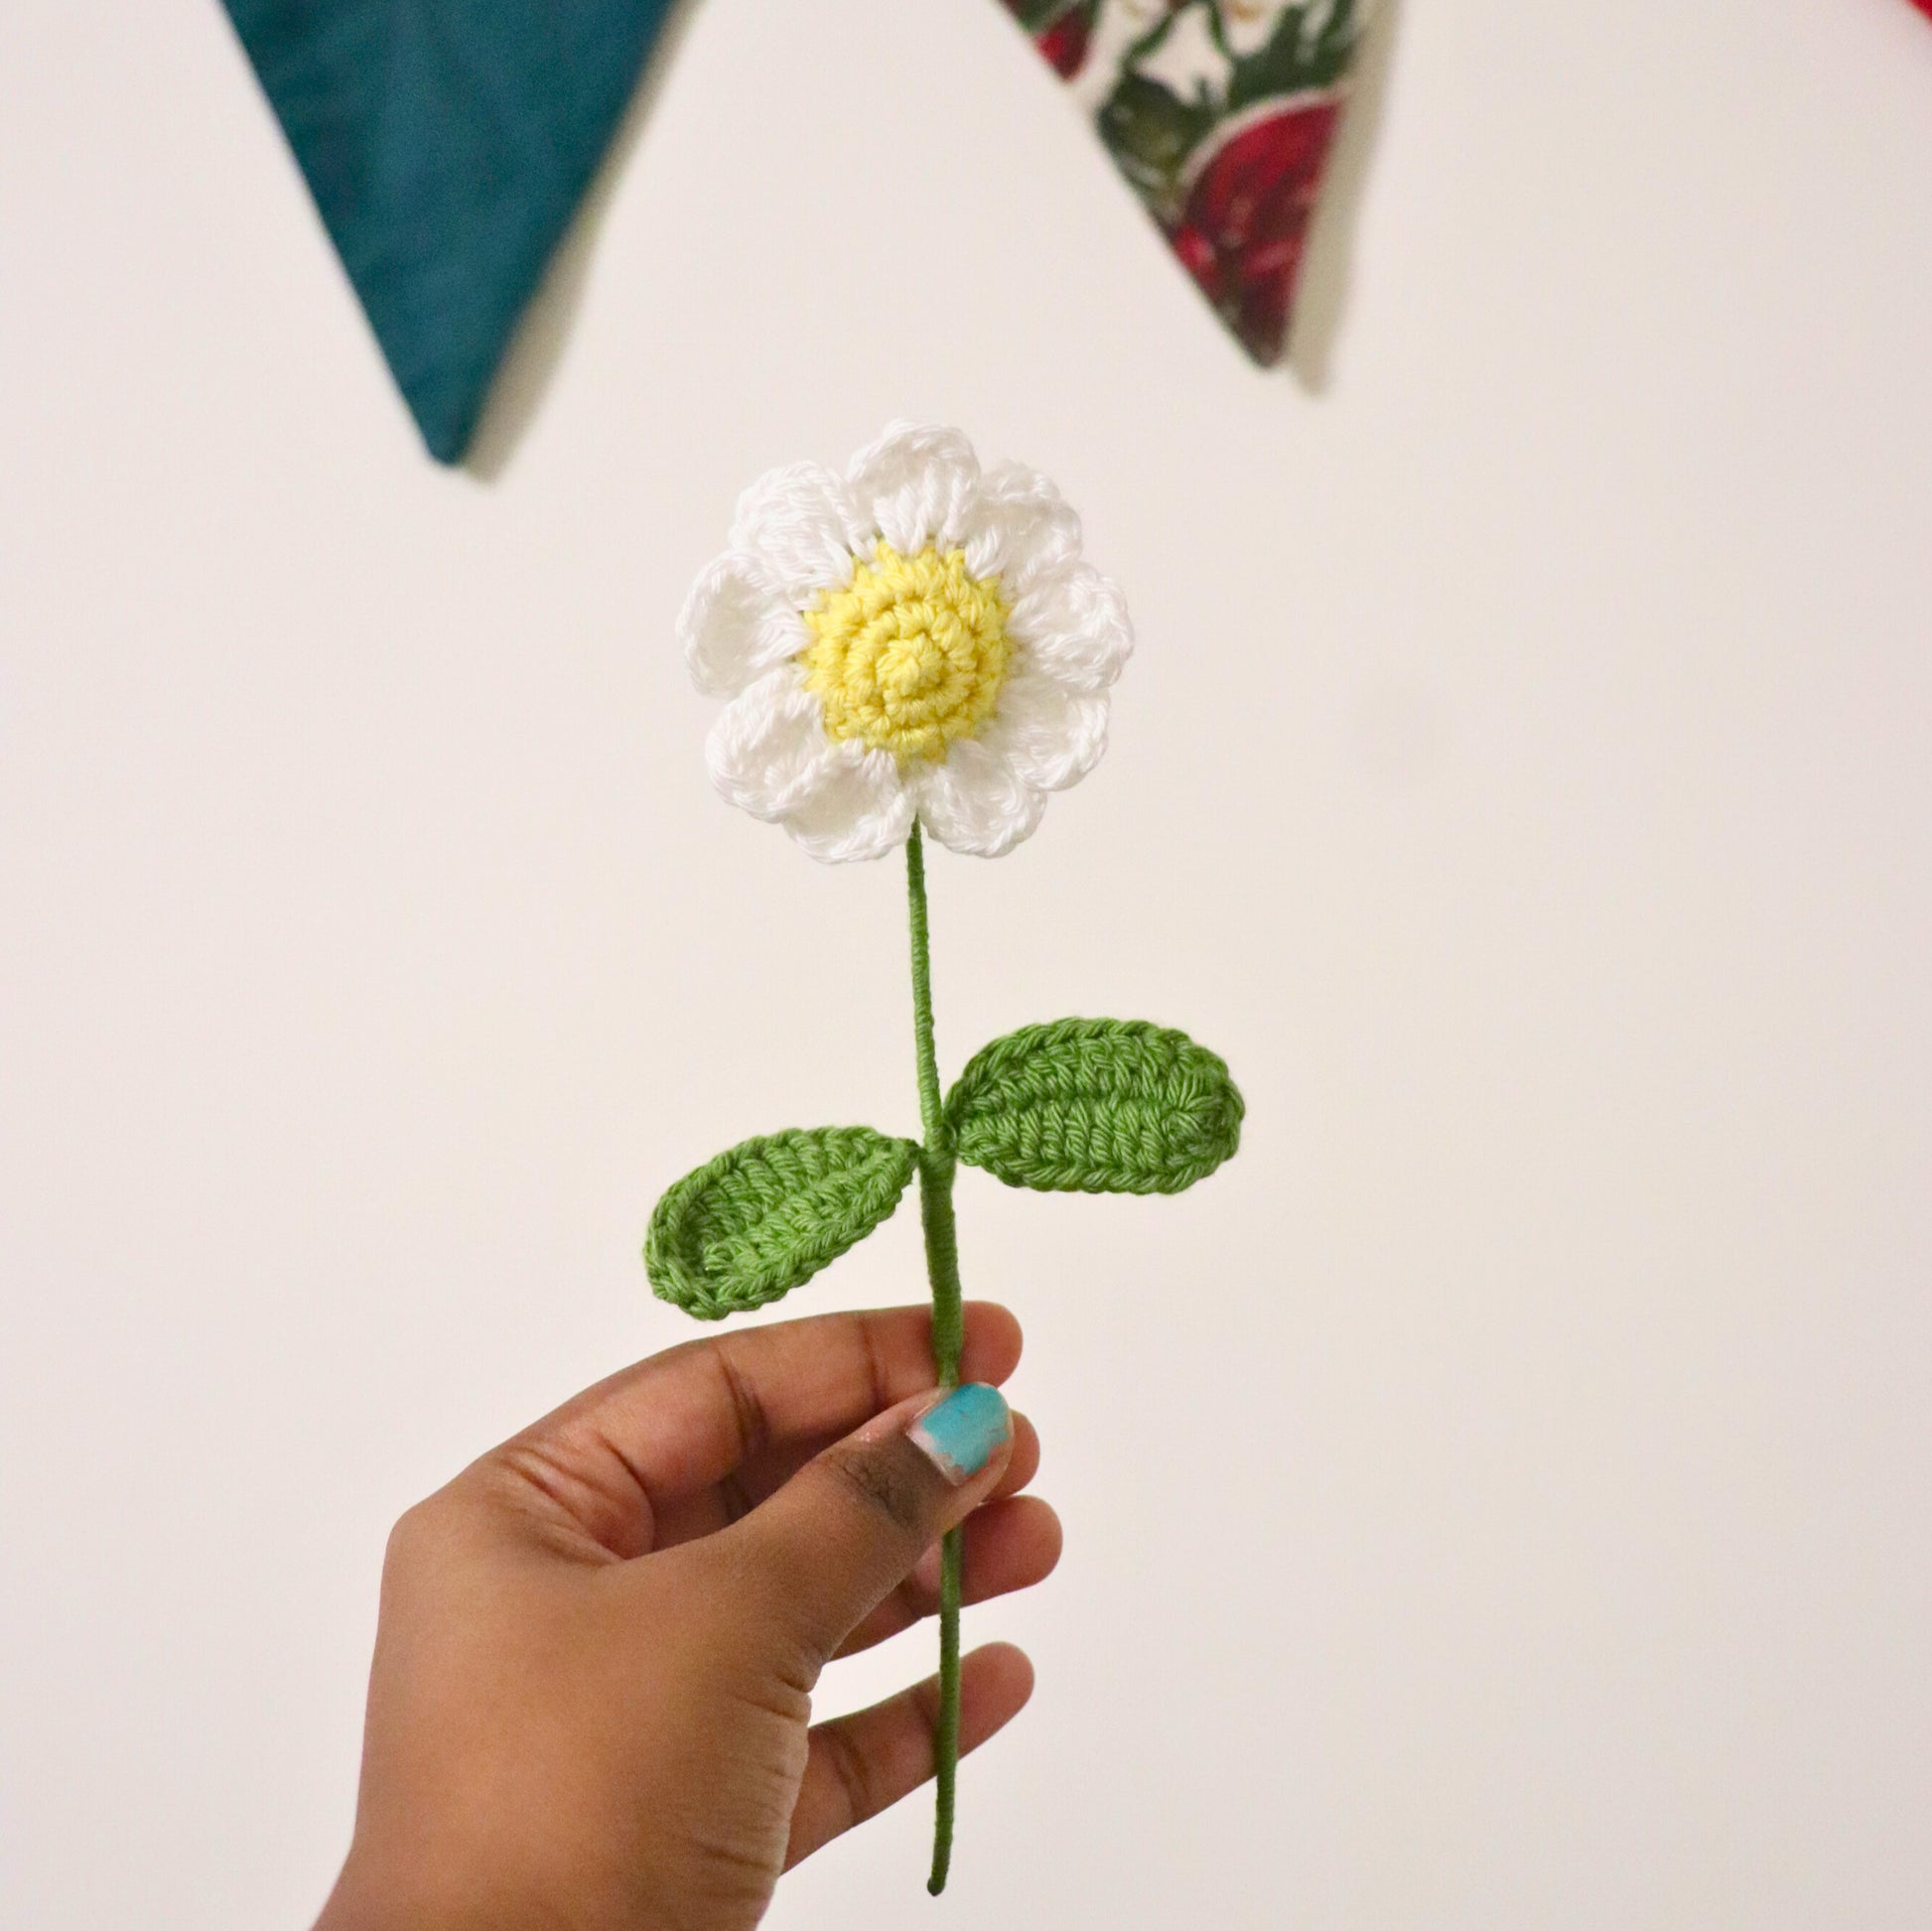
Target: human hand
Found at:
590, 1706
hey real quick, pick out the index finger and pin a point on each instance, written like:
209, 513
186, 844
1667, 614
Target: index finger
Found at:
677, 1422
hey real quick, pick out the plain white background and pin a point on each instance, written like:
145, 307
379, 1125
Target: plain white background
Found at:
1500, 1497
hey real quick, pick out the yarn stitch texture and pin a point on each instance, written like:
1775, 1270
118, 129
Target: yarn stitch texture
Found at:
763, 1217
911, 654
1096, 1106
915, 639
917, 647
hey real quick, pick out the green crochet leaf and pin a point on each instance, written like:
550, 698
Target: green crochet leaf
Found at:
1096, 1106
765, 1216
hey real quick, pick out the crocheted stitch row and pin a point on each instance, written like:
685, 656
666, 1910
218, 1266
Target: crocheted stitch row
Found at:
911, 654
1096, 1106
767, 1214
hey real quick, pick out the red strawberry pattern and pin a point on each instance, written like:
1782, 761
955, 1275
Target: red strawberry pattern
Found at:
1247, 216
1221, 114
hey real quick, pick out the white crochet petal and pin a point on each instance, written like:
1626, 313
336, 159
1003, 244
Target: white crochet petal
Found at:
1050, 736
801, 523
976, 802
1021, 533
800, 533
862, 810
1074, 626
768, 751
916, 486
736, 625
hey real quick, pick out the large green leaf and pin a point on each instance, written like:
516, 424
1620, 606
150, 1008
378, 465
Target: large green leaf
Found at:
765, 1218
1096, 1106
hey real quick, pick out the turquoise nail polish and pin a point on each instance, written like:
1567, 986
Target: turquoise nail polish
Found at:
960, 1435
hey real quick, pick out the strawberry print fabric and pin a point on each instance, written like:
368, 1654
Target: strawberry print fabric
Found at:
1220, 113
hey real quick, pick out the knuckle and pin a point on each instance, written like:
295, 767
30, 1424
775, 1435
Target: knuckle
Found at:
853, 1774
891, 1480
412, 1535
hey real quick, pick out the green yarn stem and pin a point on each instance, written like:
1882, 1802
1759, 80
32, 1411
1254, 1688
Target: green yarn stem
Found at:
937, 1162
937, 1166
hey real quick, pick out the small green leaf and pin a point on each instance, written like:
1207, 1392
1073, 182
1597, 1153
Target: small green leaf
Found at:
1096, 1106
765, 1216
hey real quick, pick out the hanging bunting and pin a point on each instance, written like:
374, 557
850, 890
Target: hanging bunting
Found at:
448, 144
1220, 113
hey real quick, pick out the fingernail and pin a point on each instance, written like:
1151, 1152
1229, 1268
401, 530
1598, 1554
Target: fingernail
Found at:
960, 1435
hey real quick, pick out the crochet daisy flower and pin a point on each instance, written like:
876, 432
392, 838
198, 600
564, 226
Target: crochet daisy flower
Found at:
916, 647
914, 641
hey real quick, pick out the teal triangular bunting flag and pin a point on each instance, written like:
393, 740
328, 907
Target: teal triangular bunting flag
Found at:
447, 144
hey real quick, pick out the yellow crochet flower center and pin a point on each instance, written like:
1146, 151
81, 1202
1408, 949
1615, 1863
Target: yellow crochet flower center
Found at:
911, 654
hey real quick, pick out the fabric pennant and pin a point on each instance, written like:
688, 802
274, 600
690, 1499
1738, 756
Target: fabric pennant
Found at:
447, 144
1220, 113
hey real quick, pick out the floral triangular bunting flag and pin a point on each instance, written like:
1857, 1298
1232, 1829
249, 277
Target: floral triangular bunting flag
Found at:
1220, 113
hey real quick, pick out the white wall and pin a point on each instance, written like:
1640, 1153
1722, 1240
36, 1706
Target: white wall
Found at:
1525, 780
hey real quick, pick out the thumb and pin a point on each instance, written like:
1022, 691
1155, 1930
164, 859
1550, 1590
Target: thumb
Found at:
849, 1527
